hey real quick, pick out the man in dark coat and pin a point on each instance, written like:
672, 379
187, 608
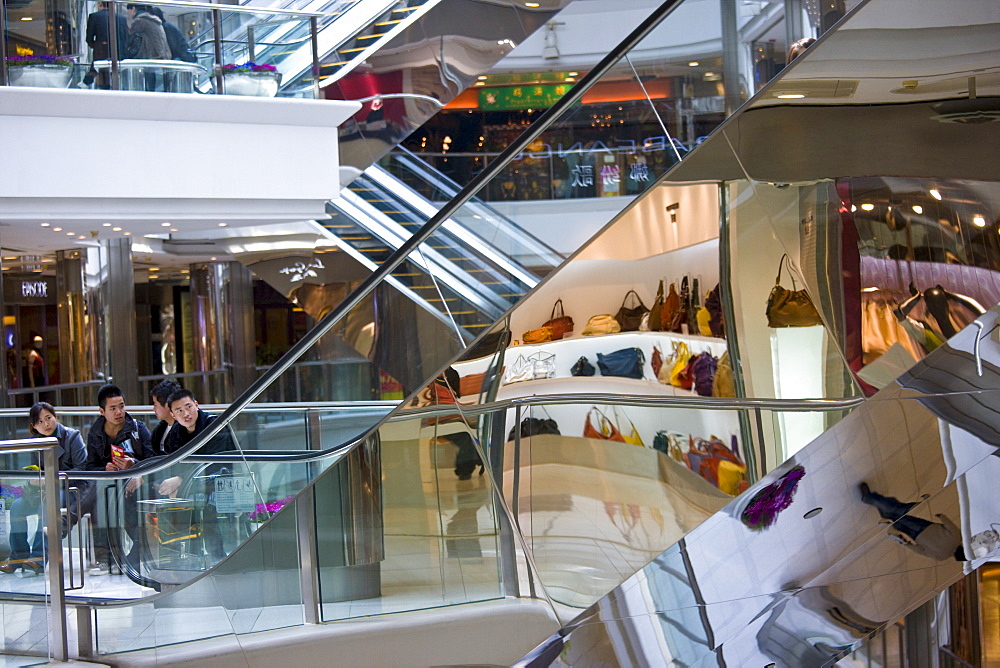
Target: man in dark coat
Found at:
99, 39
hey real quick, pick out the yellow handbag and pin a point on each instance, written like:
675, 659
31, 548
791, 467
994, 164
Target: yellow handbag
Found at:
632, 438
723, 384
704, 318
601, 324
540, 335
730, 474
680, 358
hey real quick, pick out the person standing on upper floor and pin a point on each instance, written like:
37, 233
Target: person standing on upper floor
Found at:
99, 39
179, 47
147, 39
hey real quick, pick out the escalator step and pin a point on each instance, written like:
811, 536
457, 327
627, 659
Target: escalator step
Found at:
354, 50
389, 23
406, 9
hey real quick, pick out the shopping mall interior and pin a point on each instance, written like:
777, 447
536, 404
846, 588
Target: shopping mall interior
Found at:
541, 333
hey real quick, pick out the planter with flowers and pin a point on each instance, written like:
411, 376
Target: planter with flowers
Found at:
251, 79
42, 71
264, 511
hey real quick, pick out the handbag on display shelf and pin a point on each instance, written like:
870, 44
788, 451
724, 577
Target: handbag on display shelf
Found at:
656, 312
656, 361
669, 444
724, 385
790, 308
601, 324
519, 371
693, 307
543, 365
532, 426
704, 458
703, 369
560, 323
627, 363
605, 430
716, 321
680, 316
632, 438
704, 318
684, 379
583, 367
630, 317
671, 306
675, 363
540, 335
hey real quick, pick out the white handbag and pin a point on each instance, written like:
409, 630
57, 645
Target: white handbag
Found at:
533, 367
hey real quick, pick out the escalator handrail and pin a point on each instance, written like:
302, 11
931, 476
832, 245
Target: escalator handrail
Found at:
403, 414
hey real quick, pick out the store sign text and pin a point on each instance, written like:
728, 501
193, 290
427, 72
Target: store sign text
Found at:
34, 289
648, 145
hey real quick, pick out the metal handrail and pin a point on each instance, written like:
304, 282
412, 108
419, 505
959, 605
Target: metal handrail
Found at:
236, 9
58, 646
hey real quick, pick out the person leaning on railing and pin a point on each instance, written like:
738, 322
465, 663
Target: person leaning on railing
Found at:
72, 456
99, 39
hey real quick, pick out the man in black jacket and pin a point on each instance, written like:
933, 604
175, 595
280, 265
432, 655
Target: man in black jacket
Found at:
190, 422
115, 442
98, 39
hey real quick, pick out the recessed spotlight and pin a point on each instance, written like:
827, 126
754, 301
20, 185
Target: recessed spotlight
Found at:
82, 236
573, 74
853, 208
479, 83
482, 78
569, 79
223, 224
917, 208
164, 224
27, 18
532, 4
867, 207
127, 234
979, 221
57, 229
935, 193
790, 96
116, 229
46, 224
71, 234
694, 63
174, 229
105, 224
213, 259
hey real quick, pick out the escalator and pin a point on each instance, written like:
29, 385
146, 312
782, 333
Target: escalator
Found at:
312, 444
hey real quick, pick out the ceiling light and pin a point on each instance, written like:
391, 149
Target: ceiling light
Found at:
26, 18
164, 224
82, 236
479, 83
934, 193
116, 229
569, 79
917, 208
213, 259
867, 207
694, 63
128, 234
46, 224
573, 74
71, 234
790, 96
174, 229
853, 208
979, 221
532, 4
57, 229
223, 224
871, 289
105, 224
483, 78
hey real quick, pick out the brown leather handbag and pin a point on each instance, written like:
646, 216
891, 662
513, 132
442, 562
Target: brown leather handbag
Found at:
671, 308
790, 308
630, 317
656, 312
560, 324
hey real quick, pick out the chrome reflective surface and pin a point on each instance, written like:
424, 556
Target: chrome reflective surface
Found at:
811, 587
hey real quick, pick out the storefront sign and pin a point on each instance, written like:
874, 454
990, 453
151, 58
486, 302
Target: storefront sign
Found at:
538, 96
30, 289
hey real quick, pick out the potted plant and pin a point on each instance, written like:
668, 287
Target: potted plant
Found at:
251, 79
41, 71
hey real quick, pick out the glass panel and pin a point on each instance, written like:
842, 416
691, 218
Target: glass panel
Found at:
440, 531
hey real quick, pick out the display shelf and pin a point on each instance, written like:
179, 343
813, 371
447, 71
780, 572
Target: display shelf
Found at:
569, 349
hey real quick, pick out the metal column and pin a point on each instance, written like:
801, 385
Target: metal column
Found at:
110, 282
222, 319
74, 338
730, 56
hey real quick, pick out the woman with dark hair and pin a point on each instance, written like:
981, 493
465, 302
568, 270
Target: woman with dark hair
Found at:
72, 455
